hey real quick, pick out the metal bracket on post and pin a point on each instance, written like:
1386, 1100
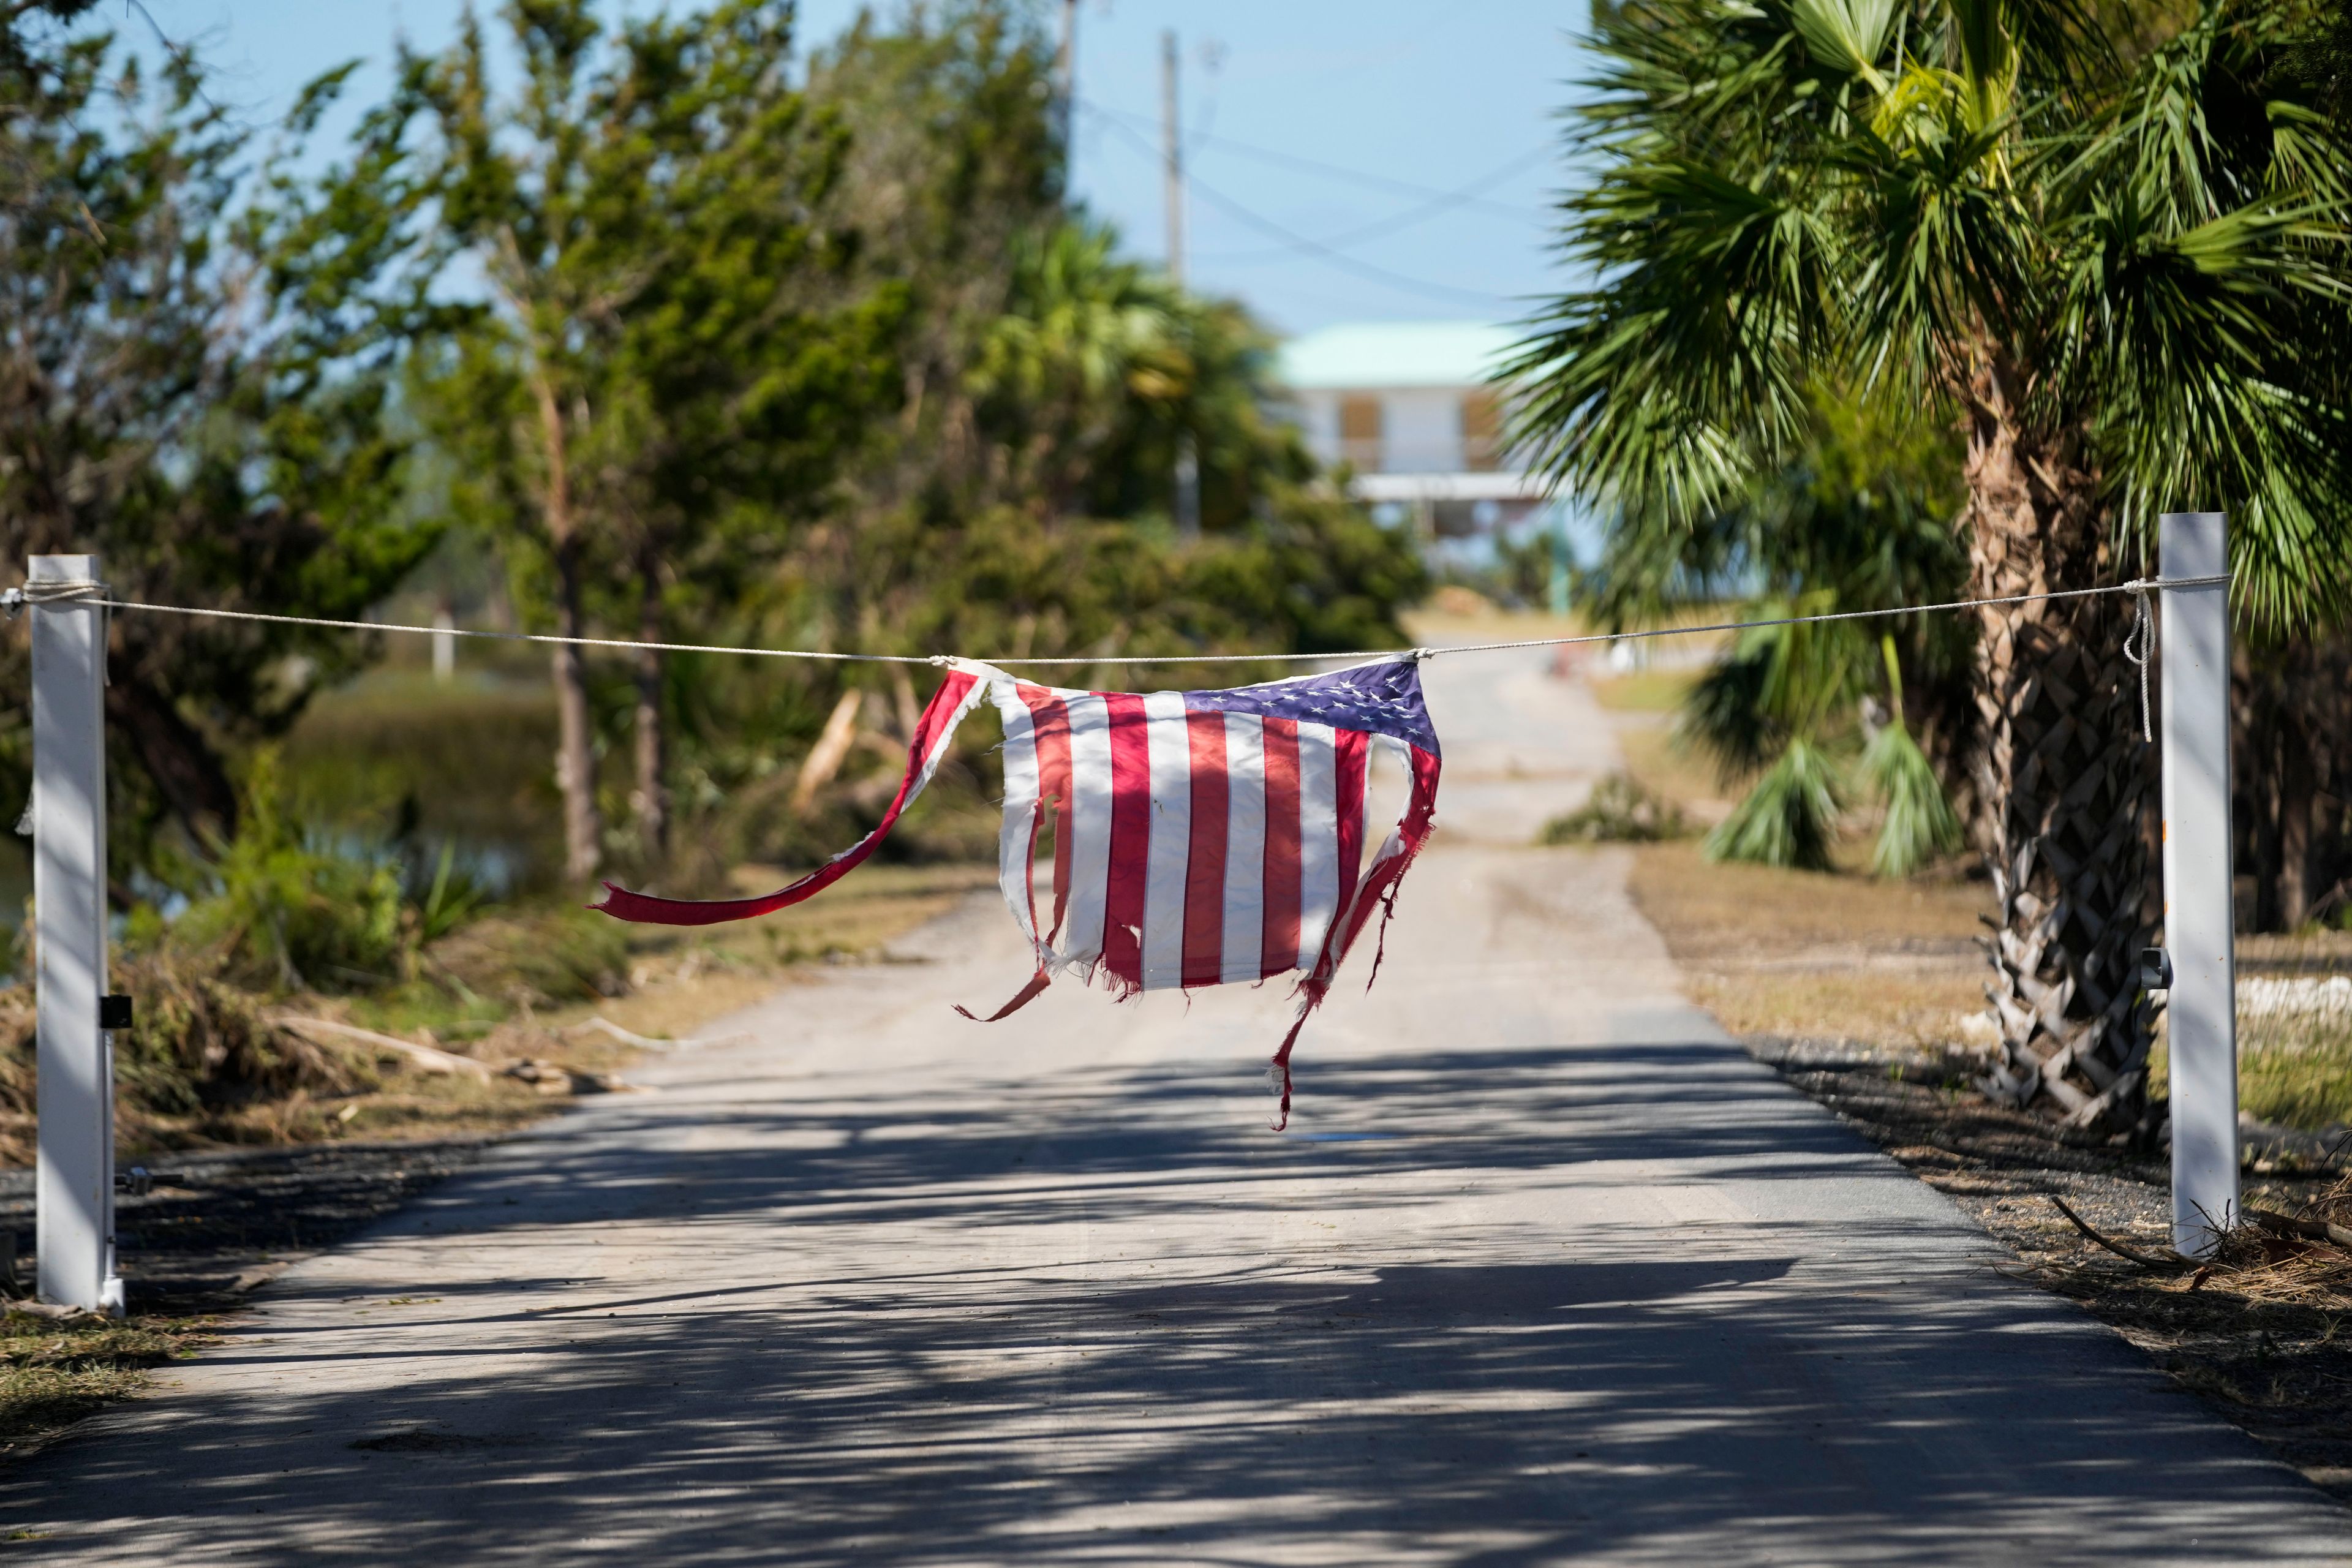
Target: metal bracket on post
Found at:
73, 1185
2200, 938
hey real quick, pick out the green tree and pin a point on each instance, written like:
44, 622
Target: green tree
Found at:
670, 369
196, 384
1017, 501
2121, 270
1857, 517
1087, 340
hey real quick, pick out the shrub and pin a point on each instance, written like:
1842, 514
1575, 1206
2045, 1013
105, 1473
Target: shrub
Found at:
288, 910
1621, 811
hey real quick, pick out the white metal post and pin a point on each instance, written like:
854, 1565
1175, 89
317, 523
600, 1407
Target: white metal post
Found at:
74, 1188
2201, 1009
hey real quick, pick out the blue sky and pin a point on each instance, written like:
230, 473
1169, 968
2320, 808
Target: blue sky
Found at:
1404, 101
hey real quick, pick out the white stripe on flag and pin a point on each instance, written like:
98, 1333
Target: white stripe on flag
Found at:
1382, 755
1170, 738
1245, 930
1319, 839
1015, 847
1082, 929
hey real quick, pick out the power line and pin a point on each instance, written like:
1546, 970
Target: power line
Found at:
1334, 170
1404, 220
1340, 259
1316, 248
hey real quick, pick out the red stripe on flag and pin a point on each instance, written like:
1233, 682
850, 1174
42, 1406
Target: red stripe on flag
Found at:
1130, 837
1280, 945
1379, 891
1051, 717
1412, 833
1350, 748
1205, 878
930, 744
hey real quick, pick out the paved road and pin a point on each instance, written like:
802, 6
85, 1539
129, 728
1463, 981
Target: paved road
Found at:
1548, 1271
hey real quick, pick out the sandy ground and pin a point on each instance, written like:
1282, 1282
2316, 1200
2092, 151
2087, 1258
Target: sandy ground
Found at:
1548, 1269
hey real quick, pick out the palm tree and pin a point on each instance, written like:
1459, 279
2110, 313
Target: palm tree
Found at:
2120, 269
1086, 337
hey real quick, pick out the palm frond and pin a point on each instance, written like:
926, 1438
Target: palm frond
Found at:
1788, 818
1920, 827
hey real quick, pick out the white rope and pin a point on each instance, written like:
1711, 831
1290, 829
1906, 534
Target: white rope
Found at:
13, 600
49, 591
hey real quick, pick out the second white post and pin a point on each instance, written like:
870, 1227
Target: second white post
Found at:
2199, 939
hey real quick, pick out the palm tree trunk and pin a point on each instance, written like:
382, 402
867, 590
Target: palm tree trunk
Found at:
651, 796
2061, 783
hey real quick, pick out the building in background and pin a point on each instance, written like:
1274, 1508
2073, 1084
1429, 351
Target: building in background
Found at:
1406, 405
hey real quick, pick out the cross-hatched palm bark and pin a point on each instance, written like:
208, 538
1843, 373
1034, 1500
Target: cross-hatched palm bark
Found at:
2061, 775
2068, 856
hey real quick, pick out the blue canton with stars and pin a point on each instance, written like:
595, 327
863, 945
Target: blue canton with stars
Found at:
1379, 699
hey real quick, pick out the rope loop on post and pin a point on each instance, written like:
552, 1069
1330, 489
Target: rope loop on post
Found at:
47, 592
2139, 646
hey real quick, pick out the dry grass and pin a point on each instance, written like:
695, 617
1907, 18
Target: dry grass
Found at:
1802, 953
52, 1374
515, 992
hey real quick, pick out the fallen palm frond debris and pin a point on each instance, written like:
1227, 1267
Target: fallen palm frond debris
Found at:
2303, 1259
2169, 1262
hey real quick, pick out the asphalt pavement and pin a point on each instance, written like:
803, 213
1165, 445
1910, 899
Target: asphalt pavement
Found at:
1546, 1271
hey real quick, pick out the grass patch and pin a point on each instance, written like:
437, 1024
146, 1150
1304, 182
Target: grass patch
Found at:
1817, 954
2299, 1078
54, 1373
1645, 690
394, 741
2306, 1086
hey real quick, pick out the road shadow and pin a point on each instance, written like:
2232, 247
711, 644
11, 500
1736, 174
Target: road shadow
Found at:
1620, 1392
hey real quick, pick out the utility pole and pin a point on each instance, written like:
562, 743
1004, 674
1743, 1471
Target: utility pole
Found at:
1066, 80
1171, 144
1188, 456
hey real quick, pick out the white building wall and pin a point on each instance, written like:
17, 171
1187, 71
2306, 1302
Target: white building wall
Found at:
1318, 419
1422, 431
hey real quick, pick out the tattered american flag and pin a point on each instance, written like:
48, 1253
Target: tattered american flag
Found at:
1200, 837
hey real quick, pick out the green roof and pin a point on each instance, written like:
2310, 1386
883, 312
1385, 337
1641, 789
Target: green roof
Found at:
1396, 354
